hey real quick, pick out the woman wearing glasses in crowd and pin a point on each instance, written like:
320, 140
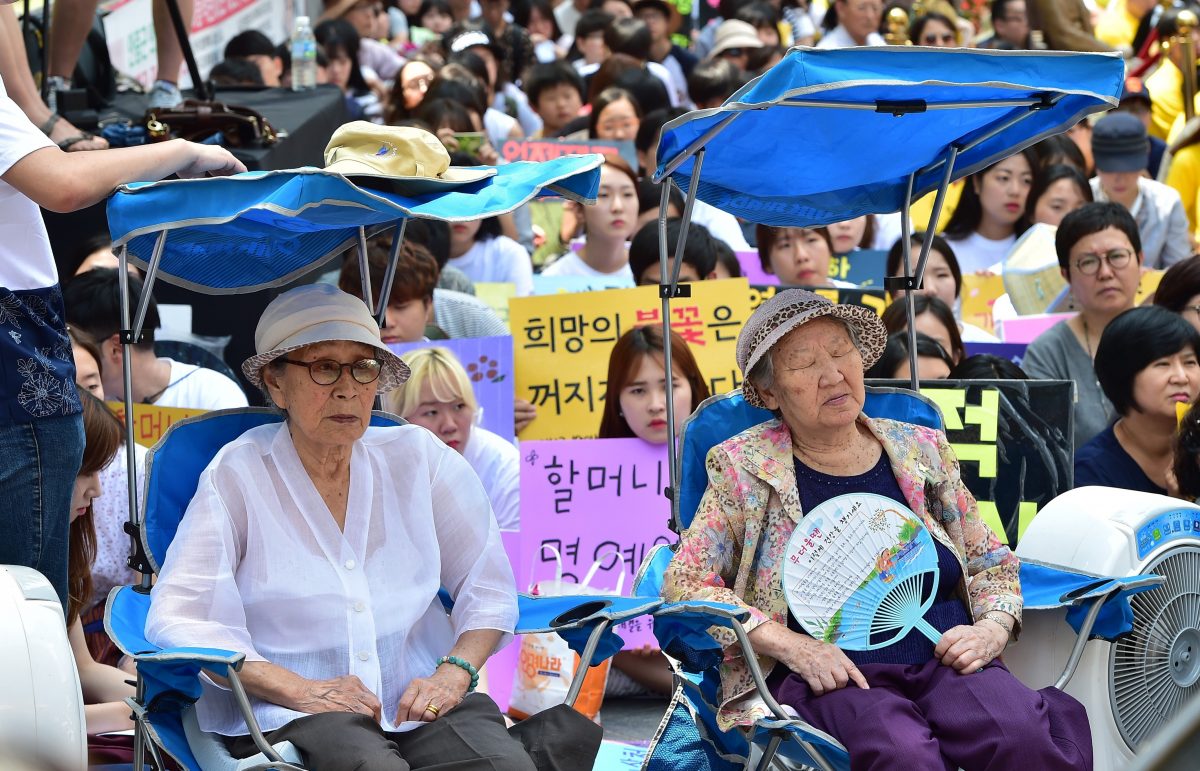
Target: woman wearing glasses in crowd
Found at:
412, 81
852, 23
615, 115
1146, 362
293, 547
1100, 256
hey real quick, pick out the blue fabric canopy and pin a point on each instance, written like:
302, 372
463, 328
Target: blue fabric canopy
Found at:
259, 229
828, 135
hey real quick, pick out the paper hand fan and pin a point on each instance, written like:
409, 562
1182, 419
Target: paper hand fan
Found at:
860, 571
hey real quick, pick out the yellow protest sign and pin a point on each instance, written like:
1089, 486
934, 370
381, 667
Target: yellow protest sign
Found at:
561, 344
1147, 286
979, 294
150, 421
496, 296
875, 299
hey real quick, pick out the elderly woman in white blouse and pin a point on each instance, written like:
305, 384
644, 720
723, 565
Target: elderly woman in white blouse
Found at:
316, 547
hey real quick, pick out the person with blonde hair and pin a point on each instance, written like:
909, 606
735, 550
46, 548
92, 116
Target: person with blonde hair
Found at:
439, 396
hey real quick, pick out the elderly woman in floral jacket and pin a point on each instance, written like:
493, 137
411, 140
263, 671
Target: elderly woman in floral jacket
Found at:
913, 702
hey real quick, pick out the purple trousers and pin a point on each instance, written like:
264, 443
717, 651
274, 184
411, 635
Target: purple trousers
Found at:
928, 717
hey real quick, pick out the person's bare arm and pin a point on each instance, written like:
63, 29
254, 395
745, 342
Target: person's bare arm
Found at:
66, 182
448, 684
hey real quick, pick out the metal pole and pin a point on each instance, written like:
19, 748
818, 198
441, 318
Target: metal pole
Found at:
189, 58
910, 295
1186, 23
148, 284
672, 442
389, 275
938, 201
364, 266
127, 339
585, 662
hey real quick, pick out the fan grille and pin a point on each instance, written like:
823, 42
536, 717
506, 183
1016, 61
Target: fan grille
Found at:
1156, 668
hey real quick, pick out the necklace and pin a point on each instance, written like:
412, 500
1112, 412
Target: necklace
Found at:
1087, 337
1087, 341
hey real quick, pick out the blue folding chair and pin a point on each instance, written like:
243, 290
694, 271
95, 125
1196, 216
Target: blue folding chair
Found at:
168, 682
689, 736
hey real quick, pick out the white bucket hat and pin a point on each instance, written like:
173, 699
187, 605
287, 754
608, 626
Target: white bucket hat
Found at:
319, 313
789, 309
399, 159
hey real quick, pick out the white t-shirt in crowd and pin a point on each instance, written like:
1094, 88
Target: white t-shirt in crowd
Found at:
976, 253
500, 260
26, 261
838, 37
720, 225
571, 264
197, 388
110, 512
498, 464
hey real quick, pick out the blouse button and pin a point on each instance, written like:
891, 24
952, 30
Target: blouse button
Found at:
350, 564
364, 656
359, 607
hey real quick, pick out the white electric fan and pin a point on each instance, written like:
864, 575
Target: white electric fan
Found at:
1135, 685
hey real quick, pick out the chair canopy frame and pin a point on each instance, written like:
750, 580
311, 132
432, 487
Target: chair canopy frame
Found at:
262, 230
891, 124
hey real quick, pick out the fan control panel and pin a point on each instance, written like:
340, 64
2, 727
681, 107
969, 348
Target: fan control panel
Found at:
1168, 526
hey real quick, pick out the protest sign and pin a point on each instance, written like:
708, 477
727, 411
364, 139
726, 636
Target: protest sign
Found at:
132, 46
1014, 352
752, 270
561, 345
549, 149
1014, 441
489, 363
496, 296
150, 421
863, 268
566, 284
1023, 329
979, 294
594, 500
875, 299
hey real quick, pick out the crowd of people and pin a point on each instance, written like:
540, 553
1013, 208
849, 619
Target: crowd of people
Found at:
1118, 196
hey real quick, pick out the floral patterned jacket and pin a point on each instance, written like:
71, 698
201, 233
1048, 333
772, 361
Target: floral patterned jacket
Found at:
733, 551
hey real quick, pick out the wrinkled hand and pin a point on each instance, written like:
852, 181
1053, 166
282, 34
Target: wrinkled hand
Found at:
823, 666
444, 689
523, 414
969, 648
339, 694
210, 161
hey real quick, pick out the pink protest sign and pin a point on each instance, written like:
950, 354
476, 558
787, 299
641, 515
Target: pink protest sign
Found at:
598, 503
1023, 329
752, 269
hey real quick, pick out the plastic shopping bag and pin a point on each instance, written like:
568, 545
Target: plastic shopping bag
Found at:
546, 665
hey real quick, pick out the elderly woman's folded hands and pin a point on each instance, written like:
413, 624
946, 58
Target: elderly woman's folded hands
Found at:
824, 667
970, 648
338, 694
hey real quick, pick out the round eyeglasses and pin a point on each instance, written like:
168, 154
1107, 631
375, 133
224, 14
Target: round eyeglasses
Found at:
1089, 264
327, 371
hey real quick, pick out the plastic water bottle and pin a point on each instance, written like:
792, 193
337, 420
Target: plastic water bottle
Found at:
304, 55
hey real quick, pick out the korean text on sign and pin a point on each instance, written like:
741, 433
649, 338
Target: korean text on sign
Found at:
561, 345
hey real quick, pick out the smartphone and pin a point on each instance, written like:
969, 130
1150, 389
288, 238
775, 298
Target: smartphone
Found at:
469, 141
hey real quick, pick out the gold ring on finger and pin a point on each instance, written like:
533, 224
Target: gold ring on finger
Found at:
430, 708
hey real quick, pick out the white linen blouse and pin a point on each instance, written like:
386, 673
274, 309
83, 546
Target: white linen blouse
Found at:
259, 566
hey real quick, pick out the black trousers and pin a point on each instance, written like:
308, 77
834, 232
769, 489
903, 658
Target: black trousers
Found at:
471, 737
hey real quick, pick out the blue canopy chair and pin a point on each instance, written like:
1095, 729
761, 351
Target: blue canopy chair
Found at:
825, 136
255, 231
689, 737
